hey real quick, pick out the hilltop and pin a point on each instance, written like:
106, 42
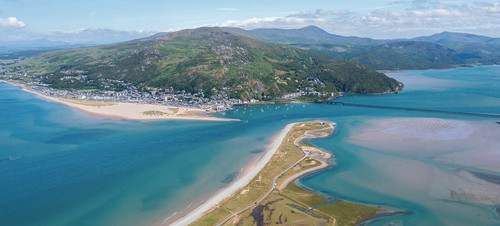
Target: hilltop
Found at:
208, 62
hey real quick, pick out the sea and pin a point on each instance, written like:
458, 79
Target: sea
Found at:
59, 166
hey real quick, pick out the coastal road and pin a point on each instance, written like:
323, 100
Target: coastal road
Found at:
306, 154
267, 194
239, 183
244, 180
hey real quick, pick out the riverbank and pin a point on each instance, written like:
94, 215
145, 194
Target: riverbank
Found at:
128, 111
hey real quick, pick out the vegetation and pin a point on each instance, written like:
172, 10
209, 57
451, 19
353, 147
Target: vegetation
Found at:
89, 102
174, 110
348, 213
154, 113
208, 59
292, 205
443, 50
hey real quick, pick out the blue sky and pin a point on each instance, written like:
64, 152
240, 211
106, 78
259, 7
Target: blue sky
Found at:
60, 19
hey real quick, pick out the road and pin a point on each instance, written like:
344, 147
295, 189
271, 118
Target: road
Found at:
267, 194
306, 154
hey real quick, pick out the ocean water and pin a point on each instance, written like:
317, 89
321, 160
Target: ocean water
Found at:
62, 167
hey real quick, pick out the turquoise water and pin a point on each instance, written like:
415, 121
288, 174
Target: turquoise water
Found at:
61, 167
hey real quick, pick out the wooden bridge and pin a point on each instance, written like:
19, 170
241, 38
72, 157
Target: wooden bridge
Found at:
488, 115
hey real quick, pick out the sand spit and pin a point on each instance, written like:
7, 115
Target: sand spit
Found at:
239, 183
129, 111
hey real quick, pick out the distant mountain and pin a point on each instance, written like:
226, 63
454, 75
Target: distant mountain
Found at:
208, 59
37, 43
409, 55
443, 50
32, 43
309, 35
450, 38
27, 48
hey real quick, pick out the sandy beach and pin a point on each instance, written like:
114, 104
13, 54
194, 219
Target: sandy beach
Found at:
129, 111
242, 181
254, 168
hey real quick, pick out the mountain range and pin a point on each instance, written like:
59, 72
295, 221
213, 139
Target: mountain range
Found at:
213, 60
256, 64
443, 50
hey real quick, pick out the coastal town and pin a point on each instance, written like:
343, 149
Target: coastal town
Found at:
150, 95
131, 94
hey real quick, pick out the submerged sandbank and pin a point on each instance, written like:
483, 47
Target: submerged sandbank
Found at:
449, 160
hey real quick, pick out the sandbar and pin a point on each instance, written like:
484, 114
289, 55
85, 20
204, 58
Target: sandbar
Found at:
242, 181
255, 167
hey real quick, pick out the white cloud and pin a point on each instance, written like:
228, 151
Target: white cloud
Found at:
319, 13
272, 22
11, 22
427, 17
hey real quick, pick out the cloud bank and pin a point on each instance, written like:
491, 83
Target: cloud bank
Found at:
78, 36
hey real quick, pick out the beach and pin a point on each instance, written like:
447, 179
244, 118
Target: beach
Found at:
254, 168
238, 183
129, 111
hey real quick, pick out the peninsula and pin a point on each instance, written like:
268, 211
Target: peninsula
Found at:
266, 193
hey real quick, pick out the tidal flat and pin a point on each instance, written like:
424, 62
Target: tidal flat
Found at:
441, 160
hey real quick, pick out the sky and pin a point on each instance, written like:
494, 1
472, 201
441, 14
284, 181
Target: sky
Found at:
86, 20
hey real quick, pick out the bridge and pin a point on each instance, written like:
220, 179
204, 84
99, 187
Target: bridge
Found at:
487, 115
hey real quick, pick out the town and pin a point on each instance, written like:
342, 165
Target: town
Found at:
131, 94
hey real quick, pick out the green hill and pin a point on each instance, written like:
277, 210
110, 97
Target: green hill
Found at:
208, 59
409, 54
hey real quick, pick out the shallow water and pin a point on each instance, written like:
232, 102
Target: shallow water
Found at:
62, 167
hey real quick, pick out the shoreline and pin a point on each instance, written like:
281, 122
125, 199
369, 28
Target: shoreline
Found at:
321, 156
126, 111
177, 215
252, 169
278, 194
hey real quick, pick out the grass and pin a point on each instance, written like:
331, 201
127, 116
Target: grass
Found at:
348, 213
302, 196
89, 102
154, 113
174, 110
276, 209
302, 166
292, 205
286, 155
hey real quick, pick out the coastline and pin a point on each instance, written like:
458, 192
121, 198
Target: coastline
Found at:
255, 167
127, 111
251, 171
